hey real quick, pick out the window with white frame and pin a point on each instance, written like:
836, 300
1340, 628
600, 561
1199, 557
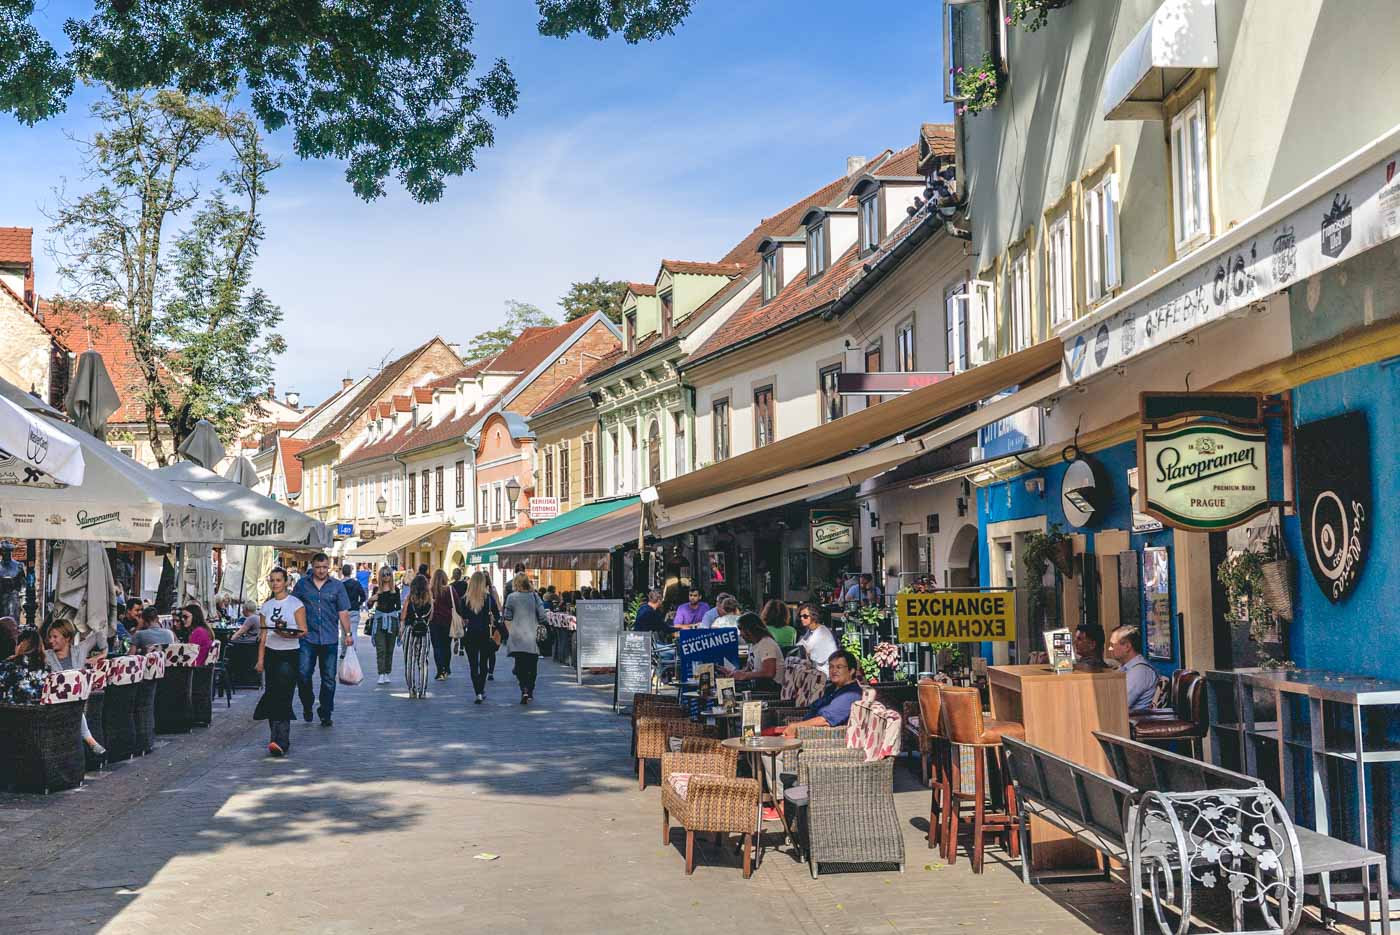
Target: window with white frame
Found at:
771, 283
484, 514
981, 323
832, 403
549, 472
629, 329
870, 222
427, 489
1019, 305
498, 497
1190, 175
955, 302
816, 249
678, 435
904, 347
1101, 275
634, 461
616, 462
564, 473
719, 420
1059, 271
437, 480
412, 494
398, 493
587, 460
763, 416
461, 483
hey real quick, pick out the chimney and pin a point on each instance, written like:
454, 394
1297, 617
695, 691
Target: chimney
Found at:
293, 399
854, 164
346, 383
272, 392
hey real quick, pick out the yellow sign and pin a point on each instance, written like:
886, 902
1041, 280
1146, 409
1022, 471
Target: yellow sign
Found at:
957, 616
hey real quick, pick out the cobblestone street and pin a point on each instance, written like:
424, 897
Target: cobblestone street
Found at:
372, 826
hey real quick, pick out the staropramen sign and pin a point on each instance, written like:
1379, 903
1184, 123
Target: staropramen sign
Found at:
833, 533
1203, 475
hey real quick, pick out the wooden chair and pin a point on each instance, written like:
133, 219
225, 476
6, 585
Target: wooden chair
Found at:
965, 728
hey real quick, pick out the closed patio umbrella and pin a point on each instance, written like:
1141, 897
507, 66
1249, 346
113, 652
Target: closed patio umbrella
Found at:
202, 446
91, 398
84, 592
242, 471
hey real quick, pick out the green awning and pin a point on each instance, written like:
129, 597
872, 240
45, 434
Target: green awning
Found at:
486, 555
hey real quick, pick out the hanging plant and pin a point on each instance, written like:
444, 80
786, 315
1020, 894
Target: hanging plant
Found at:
1242, 575
977, 88
1030, 15
1039, 552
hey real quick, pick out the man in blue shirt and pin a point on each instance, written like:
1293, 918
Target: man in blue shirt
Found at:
327, 624
833, 708
1125, 647
649, 616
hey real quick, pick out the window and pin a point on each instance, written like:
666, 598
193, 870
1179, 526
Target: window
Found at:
497, 498
904, 347
955, 302
398, 493
588, 467
816, 250
437, 479
678, 433
616, 462
461, 478
763, 416
484, 516
869, 223
666, 311
1059, 277
1101, 239
1190, 175
630, 330
564, 473
427, 484
636, 460
831, 402
412, 495
128, 450
654, 453
548, 472
981, 323
771, 282
1018, 298
874, 363
719, 415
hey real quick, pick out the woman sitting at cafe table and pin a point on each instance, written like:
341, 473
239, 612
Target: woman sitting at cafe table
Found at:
765, 656
833, 708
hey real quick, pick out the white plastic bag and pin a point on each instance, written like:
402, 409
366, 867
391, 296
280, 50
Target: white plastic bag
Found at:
350, 671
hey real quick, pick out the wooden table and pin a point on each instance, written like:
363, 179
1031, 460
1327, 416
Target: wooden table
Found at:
757, 748
1061, 713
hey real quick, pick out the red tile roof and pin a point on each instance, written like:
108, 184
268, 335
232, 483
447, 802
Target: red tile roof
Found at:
369, 394
562, 392
289, 448
443, 431
385, 410
642, 288
388, 445
904, 162
703, 269
534, 346
423, 394
82, 326
936, 141
787, 220
403, 403
17, 249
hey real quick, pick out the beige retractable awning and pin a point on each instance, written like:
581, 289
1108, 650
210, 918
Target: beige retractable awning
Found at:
819, 456
391, 542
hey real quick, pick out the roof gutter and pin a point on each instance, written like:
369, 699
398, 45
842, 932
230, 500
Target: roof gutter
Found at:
926, 228
818, 312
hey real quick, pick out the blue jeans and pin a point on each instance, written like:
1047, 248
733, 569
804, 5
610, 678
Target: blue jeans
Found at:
327, 654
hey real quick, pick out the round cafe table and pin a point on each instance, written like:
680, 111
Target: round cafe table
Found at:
724, 717
756, 748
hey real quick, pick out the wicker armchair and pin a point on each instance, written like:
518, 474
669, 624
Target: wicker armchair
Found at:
41, 747
708, 745
644, 704
700, 791
654, 735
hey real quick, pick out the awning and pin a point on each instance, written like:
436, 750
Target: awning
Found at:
28, 443
811, 457
486, 555
1177, 39
585, 545
391, 542
249, 517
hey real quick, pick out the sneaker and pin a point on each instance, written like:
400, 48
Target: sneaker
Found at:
306, 714
771, 814
326, 722
480, 699
273, 749
490, 677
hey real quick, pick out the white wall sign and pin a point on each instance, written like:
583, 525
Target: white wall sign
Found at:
833, 533
1203, 476
544, 508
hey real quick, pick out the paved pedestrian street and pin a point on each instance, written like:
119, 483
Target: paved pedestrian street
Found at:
374, 825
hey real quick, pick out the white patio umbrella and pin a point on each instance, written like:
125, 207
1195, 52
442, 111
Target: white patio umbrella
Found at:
249, 517
202, 445
84, 593
242, 471
28, 444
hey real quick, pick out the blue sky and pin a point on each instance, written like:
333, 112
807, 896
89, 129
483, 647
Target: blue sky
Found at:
617, 157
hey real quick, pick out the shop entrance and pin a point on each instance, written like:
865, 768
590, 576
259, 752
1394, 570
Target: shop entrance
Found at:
963, 569
1005, 545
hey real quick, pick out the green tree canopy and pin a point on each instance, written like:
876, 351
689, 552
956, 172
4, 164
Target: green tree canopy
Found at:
390, 86
596, 295
519, 316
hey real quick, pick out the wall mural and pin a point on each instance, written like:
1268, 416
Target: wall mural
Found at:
1334, 500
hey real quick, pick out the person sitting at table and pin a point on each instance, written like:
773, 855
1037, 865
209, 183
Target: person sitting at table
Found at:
708, 620
196, 630
817, 642
833, 708
649, 616
67, 652
151, 632
728, 613
760, 673
247, 631
692, 611
1088, 648
1125, 646
29, 649
778, 620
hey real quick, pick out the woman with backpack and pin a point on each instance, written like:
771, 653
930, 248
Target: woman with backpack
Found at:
417, 612
523, 614
483, 632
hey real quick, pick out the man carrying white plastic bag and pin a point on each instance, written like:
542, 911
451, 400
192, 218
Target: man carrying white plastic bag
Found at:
350, 671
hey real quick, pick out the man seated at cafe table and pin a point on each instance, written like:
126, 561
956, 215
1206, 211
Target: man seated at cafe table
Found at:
842, 691
1088, 648
692, 611
130, 620
1125, 648
709, 619
151, 632
649, 616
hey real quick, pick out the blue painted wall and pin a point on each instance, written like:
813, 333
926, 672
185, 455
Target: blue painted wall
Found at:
1361, 634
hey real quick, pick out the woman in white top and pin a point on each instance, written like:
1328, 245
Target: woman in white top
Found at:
728, 613
817, 642
282, 623
760, 673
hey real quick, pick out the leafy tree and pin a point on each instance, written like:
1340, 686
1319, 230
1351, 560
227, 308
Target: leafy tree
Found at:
596, 295
519, 316
390, 86
202, 335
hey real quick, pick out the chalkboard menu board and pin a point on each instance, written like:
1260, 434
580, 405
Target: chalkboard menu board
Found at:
634, 667
599, 623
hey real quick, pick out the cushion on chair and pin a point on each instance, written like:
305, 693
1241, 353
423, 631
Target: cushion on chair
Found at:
215, 650
181, 654
1163, 729
993, 730
155, 665
125, 670
67, 685
680, 782
98, 673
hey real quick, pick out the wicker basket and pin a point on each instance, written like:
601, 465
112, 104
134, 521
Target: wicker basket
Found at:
173, 714
1278, 588
143, 716
41, 746
118, 727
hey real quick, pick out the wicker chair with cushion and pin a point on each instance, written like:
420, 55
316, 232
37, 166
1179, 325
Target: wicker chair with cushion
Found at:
174, 693
701, 792
654, 739
202, 689
41, 746
655, 705
125, 675
709, 745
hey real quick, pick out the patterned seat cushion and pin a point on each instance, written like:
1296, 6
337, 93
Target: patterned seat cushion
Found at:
98, 673
874, 730
125, 670
65, 686
181, 654
155, 664
680, 782
215, 651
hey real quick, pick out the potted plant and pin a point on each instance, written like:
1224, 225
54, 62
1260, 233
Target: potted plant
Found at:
1039, 552
886, 659
977, 87
1276, 574
1031, 15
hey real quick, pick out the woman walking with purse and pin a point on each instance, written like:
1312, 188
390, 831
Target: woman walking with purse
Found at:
282, 623
417, 612
384, 625
483, 630
524, 613
440, 625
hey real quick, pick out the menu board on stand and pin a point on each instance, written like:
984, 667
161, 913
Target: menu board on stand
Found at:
635, 667
598, 626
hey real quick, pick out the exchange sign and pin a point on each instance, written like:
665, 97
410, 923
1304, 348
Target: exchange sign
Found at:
957, 616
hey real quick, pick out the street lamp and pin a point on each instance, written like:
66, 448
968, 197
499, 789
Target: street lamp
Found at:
381, 505
513, 491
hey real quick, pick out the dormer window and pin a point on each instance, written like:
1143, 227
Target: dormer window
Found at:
869, 222
665, 314
816, 249
630, 327
770, 275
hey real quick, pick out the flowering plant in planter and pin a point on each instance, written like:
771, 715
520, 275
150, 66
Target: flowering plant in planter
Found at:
977, 88
886, 655
1030, 15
